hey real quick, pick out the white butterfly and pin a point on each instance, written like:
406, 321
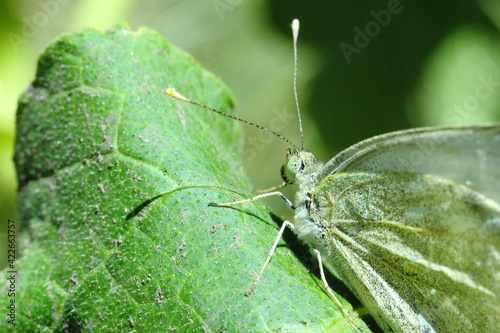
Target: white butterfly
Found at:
410, 222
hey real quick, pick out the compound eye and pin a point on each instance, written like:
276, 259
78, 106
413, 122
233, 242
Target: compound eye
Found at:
292, 166
295, 165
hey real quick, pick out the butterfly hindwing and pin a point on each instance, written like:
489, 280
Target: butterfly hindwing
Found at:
421, 252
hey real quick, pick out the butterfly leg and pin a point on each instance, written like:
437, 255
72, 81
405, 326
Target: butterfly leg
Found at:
269, 256
332, 295
258, 197
267, 190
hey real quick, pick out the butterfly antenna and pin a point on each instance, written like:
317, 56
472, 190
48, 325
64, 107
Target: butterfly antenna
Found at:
173, 93
295, 31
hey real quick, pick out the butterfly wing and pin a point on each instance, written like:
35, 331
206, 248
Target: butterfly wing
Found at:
468, 155
422, 253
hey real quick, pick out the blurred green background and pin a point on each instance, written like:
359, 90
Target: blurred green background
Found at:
365, 67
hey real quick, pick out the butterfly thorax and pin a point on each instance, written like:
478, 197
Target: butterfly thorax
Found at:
302, 169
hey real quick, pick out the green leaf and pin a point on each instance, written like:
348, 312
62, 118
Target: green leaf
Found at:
114, 182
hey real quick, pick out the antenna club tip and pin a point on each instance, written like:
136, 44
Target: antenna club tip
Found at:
295, 26
173, 93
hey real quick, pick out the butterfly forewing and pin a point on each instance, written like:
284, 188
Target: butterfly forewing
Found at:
468, 155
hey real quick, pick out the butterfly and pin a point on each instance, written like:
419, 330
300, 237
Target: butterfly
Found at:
409, 221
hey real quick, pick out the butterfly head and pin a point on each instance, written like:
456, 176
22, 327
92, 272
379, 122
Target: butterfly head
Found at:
297, 165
